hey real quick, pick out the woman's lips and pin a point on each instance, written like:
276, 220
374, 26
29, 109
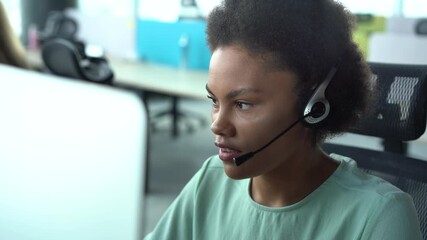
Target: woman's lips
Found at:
227, 153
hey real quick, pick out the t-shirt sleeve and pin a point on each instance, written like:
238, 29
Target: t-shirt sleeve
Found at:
177, 221
394, 219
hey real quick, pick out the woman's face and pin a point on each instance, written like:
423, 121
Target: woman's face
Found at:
251, 104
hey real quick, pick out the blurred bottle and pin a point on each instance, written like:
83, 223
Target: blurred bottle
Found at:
184, 43
33, 37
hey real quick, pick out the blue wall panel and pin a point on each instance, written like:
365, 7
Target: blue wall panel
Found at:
159, 42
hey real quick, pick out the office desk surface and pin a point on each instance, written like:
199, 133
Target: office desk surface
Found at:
150, 77
161, 79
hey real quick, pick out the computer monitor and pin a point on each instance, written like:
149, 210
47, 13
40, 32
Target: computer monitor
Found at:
72, 159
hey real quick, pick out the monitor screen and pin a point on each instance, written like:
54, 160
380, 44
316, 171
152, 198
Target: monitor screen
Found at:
72, 158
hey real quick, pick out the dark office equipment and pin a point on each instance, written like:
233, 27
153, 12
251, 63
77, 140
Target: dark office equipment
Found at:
398, 116
421, 27
37, 12
65, 58
59, 25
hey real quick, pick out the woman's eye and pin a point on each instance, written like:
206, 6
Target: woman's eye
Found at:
243, 105
214, 101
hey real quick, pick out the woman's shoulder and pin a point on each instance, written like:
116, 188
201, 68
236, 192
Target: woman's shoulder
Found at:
350, 177
372, 199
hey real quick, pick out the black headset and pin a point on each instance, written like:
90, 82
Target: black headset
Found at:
318, 107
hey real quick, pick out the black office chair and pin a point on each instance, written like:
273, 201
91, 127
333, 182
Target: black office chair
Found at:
399, 115
64, 58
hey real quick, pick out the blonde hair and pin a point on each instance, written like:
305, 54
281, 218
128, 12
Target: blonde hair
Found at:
12, 51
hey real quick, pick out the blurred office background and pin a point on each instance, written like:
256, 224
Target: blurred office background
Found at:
155, 31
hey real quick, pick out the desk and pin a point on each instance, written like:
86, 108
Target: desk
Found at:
160, 79
151, 77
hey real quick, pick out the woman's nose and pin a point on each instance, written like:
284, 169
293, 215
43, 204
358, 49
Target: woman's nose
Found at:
221, 124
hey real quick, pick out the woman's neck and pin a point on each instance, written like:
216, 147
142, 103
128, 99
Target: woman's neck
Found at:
295, 179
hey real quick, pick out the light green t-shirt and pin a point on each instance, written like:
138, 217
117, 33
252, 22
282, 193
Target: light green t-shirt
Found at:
350, 204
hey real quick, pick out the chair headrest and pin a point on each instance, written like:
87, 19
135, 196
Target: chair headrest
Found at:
58, 24
399, 110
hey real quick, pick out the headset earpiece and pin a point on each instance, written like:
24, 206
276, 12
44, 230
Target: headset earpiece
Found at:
318, 106
318, 110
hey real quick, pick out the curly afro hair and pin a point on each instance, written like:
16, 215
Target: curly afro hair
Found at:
307, 37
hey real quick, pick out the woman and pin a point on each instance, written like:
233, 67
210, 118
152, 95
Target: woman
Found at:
285, 75
11, 50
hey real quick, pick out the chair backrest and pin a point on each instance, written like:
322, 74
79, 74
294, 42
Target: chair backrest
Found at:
398, 114
400, 108
65, 58
72, 159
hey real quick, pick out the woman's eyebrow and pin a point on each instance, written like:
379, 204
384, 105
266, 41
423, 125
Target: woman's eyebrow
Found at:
235, 93
241, 91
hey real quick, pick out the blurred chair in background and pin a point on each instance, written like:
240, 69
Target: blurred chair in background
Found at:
59, 25
62, 57
398, 115
11, 50
35, 13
